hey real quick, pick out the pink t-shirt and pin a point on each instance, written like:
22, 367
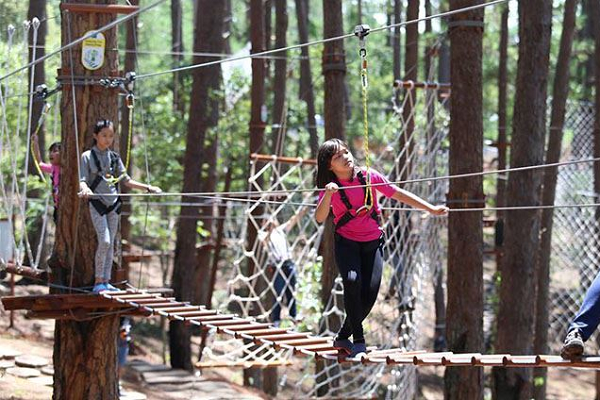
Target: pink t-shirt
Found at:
54, 171
361, 228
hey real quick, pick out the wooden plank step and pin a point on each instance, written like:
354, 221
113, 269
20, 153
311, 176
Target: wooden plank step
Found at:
220, 317
196, 313
245, 326
252, 333
176, 310
281, 337
157, 300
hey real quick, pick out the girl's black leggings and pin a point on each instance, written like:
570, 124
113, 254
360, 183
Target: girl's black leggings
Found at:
360, 265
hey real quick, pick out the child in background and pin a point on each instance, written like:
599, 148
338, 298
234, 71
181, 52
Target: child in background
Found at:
358, 235
52, 168
101, 172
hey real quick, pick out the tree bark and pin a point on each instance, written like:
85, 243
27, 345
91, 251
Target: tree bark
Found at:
334, 69
306, 87
203, 114
516, 311
130, 65
203, 254
253, 376
502, 104
177, 48
411, 69
465, 230
279, 82
85, 353
397, 39
560, 93
270, 380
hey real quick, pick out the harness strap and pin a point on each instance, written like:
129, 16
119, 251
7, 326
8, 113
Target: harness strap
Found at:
99, 205
349, 216
103, 209
112, 167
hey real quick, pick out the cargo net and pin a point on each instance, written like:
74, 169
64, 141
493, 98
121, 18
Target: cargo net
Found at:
24, 221
575, 254
263, 285
414, 256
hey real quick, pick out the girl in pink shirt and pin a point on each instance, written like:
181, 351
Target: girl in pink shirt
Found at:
52, 168
358, 234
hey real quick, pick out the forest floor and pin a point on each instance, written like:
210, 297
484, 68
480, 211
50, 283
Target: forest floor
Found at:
35, 337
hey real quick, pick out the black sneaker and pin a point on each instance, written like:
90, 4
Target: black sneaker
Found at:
359, 348
573, 346
344, 346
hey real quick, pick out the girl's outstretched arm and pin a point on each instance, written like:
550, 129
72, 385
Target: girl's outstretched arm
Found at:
142, 186
415, 201
323, 207
36, 148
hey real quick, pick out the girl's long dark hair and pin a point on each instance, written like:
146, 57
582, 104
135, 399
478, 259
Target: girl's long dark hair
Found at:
326, 152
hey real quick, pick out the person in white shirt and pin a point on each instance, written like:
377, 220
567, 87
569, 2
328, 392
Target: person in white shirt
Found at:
274, 237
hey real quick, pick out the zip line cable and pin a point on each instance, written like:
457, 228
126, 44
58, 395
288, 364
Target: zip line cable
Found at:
416, 180
88, 35
321, 41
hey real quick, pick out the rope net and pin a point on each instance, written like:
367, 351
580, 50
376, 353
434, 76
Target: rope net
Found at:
18, 214
574, 262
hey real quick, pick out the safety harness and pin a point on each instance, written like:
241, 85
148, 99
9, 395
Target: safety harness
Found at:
110, 177
350, 212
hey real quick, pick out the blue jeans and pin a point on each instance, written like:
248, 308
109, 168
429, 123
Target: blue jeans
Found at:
285, 284
588, 317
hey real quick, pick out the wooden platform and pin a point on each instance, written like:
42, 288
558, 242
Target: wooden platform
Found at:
134, 302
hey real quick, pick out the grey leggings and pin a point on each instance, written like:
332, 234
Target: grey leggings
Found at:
106, 230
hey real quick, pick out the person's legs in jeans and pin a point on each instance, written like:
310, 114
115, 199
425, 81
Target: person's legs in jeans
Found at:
289, 269
588, 317
278, 286
112, 219
100, 223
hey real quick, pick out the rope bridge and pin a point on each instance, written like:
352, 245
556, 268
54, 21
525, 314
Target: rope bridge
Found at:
140, 303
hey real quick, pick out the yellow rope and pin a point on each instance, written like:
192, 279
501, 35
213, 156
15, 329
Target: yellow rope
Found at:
130, 100
365, 85
37, 129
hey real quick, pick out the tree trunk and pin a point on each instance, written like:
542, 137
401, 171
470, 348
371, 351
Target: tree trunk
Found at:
397, 39
203, 254
560, 93
203, 114
278, 130
465, 230
334, 70
279, 82
516, 311
177, 49
411, 68
306, 87
268, 11
502, 118
130, 65
253, 376
85, 353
